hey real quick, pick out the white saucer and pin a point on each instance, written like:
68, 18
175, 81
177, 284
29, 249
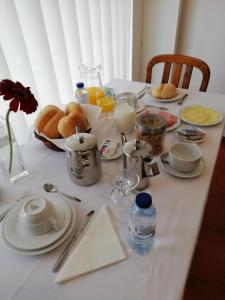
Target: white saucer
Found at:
19, 237
69, 232
175, 98
116, 154
198, 171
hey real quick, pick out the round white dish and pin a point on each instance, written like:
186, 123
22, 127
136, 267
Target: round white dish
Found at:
69, 232
198, 171
174, 126
175, 98
183, 139
116, 154
220, 118
18, 236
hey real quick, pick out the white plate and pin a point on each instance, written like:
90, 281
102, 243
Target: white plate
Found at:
176, 98
18, 236
220, 118
69, 232
174, 126
166, 167
116, 154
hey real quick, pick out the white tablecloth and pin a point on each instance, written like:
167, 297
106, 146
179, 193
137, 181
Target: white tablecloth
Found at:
180, 203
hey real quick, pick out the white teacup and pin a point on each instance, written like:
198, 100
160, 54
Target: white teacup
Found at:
38, 216
184, 157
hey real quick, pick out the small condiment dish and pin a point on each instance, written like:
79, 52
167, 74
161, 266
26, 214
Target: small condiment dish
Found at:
184, 156
38, 216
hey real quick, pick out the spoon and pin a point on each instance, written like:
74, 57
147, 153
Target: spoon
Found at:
51, 188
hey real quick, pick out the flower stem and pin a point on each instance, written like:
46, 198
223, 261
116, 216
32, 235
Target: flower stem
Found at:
10, 141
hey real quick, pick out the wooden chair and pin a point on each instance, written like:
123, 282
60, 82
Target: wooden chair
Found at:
177, 61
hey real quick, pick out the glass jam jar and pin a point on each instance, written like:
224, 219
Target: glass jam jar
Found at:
151, 128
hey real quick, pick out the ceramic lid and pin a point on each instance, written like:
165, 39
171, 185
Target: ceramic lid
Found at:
81, 142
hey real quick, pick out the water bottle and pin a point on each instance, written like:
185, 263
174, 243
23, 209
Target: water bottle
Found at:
142, 222
81, 94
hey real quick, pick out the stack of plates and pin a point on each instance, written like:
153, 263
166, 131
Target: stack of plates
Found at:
18, 240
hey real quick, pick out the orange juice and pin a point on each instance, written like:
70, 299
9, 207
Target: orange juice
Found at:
107, 103
94, 93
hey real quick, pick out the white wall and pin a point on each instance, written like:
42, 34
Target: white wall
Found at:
202, 34
159, 21
191, 27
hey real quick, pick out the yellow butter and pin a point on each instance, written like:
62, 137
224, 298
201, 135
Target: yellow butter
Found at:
201, 115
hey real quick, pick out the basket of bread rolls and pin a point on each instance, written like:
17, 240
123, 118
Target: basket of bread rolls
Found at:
53, 123
164, 91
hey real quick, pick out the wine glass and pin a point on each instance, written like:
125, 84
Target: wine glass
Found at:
124, 182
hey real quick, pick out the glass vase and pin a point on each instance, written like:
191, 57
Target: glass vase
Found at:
18, 169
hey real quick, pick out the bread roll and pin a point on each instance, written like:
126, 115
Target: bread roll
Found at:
47, 121
73, 106
67, 125
164, 91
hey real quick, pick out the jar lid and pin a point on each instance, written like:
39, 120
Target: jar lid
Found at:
80, 142
143, 200
137, 148
150, 123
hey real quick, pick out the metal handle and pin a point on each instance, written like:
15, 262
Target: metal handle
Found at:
66, 250
70, 197
4, 213
63, 255
182, 99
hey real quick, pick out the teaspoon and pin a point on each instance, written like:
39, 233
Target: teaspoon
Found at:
51, 188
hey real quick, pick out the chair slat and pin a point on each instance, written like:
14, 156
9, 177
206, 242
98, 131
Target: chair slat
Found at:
166, 72
176, 74
187, 76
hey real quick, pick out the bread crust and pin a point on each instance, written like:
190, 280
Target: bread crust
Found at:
67, 124
164, 91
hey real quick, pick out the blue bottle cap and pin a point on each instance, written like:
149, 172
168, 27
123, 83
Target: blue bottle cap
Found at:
80, 85
143, 200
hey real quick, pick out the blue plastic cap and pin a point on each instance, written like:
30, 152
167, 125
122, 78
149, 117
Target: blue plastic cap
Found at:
80, 85
143, 200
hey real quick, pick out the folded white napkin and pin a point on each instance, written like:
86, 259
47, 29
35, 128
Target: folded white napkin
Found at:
99, 247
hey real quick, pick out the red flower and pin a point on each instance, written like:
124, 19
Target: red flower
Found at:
21, 97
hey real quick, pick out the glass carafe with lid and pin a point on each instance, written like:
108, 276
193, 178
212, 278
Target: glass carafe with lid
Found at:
91, 76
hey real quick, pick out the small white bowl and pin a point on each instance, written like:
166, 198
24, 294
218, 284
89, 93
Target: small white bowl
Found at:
184, 156
38, 216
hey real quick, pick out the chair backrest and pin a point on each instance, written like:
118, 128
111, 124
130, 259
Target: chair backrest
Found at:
177, 61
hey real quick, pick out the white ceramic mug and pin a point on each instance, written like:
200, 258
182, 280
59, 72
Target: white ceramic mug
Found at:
184, 156
38, 216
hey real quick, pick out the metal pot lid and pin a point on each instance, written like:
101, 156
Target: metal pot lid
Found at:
137, 148
80, 142
150, 123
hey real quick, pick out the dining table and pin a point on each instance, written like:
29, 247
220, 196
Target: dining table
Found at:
179, 202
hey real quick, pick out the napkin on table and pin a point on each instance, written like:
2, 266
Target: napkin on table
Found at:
99, 247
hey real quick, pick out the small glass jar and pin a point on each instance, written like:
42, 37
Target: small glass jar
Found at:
151, 128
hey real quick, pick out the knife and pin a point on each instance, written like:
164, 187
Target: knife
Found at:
66, 250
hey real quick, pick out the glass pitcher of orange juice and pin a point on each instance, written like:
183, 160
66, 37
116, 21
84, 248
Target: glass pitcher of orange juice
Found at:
91, 77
